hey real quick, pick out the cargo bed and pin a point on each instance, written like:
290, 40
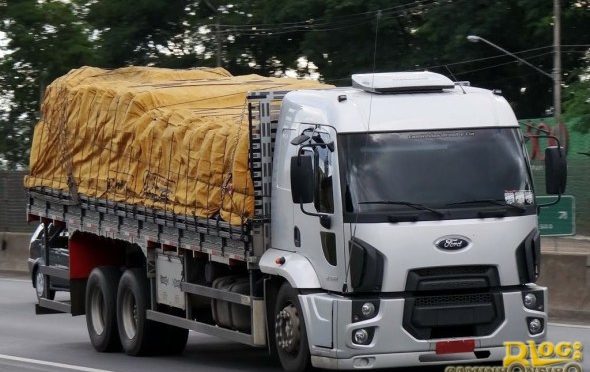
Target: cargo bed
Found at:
149, 227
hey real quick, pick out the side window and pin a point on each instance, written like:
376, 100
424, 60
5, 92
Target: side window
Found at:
324, 196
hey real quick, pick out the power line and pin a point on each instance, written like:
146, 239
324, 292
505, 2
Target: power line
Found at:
324, 29
501, 64
305, 23
324, 25
515, 61
502, 55
487, 58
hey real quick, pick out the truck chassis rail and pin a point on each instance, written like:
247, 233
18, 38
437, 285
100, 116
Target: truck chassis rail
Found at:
142, 226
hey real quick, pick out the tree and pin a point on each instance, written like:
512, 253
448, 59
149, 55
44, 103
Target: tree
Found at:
303, 37
577, 104
142, 32
516, 25
45, 40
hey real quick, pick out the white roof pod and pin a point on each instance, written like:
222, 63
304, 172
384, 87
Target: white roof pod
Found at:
399, 82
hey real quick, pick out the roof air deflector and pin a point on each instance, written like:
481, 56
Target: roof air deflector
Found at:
402, 82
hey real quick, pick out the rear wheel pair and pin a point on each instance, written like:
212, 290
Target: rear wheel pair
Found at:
116, 315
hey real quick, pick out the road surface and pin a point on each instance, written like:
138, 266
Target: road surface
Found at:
59, 343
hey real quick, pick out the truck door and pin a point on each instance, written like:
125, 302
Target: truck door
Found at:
322, 243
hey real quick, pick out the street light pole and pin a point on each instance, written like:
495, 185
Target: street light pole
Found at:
555, 76
557, 61
476, 39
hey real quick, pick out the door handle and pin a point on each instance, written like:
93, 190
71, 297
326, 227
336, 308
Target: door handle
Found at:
297, 236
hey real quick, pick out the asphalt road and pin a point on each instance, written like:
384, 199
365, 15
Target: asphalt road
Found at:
59, 343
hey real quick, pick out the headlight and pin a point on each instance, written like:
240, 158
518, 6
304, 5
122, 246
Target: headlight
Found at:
364, 309
530, 300
368, 309
534, 300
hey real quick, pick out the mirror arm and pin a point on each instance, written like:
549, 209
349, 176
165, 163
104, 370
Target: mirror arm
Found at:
544, 136
537, 128
312, 145
557, 199
325, 218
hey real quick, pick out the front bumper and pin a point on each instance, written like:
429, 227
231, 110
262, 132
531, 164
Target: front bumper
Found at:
393, 360
330, 334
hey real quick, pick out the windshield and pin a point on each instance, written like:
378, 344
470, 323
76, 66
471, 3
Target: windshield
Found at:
454, 169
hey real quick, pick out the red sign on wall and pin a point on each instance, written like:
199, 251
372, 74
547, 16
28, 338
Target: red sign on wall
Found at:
560, 131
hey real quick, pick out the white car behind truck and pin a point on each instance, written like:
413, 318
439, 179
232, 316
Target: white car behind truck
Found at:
395, 225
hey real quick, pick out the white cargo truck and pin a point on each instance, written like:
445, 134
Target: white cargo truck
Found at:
395, 225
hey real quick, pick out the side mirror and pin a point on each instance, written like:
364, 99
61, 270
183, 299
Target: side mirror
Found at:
555, 170
302, 179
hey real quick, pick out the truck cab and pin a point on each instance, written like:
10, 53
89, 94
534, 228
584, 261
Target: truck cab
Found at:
403, 210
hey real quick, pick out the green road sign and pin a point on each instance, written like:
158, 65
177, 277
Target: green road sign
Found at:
558, 219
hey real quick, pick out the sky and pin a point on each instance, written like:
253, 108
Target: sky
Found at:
3, 43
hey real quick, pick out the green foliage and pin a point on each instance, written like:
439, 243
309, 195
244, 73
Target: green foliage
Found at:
577, 105
130, 32
46, 40
333, 37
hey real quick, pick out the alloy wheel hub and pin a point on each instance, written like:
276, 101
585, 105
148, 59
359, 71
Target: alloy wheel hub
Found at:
40, 285
287, 329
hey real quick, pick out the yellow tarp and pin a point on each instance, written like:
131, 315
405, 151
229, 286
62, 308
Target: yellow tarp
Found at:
176, 140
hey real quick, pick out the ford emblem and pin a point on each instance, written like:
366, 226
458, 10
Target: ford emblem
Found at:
452, 242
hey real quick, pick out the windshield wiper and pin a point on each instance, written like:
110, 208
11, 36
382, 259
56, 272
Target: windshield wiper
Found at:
501, 203
408, 204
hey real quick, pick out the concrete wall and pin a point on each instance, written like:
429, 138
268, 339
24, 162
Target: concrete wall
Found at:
13, 203
567, 275
14, 251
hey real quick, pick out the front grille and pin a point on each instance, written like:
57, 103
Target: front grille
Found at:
468, 299
452, 270
446, 315
452, 278
453, 301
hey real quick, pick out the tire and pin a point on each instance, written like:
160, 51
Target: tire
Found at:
138, 335
38, 283
100, 304
290, 335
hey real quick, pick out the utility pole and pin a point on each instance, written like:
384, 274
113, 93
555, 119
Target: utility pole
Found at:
557, 61
218, 40
217, 31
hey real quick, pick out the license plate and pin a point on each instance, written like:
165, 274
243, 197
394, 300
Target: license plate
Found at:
456, 346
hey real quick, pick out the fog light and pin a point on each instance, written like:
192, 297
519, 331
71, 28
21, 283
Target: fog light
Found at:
535, 326
363, 362
368, 309
530, 300
361, 336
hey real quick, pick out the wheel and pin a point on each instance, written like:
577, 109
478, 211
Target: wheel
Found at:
290, 341
40, 287
101, 300
138, 335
